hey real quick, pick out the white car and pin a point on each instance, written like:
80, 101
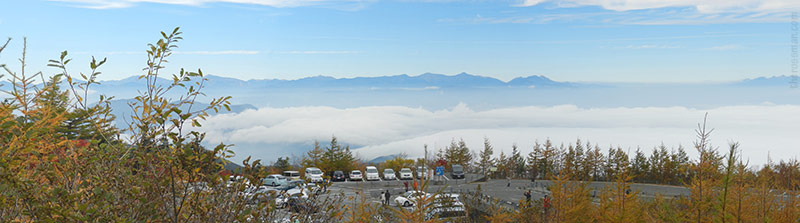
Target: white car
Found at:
446, 206
356, 175
410, 198
406, 174
274, 180
280, 201
314, 174
388, 174
422, 173
372, 173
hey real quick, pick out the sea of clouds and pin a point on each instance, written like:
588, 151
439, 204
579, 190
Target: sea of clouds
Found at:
373, 131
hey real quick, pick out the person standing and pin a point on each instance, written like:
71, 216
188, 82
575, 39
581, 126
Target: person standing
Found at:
387, 196
406, 184
528, 196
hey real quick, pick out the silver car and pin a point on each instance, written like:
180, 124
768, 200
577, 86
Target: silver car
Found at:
388, 174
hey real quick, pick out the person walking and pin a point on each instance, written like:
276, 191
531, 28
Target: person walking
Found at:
406, 184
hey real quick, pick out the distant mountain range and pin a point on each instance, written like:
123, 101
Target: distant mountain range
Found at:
426, 80
438, 91
462, 80
420, 81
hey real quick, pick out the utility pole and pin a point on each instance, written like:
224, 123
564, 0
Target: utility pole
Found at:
425, 162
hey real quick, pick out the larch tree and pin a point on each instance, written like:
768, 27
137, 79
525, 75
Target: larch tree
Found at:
705, 182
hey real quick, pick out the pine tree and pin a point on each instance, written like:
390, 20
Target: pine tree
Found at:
681, 165
618, 162
458, 153
516, 163
640, 167
336, 157
314, 157
502, 166
533, 161
485, 157
282, 164
593, 163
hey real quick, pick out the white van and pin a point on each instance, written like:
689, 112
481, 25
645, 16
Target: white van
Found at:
314, 174
372, 173
291, 175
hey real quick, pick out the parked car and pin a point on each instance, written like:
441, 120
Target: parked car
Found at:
236, 180
410, 198
457, 172
314, 174
388, 174
281, 201
301, 205
406, 174
356, 175
338, 176
274, 180
291, 175
446, 206
297, 186
372, 173
422, 173
260, 194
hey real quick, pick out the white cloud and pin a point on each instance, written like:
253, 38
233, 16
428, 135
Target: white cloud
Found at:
317, 52
724, 47
384, 130
526, 3
703, 6
202, 52
111, 4
650, 46
671, 16
223, 52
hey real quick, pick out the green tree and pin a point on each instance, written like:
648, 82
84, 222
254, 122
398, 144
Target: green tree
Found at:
516, 163
398, 162
337, 157
458, 153
314, 157
640, 167
593, 163
617, 162
282, 164
485, 157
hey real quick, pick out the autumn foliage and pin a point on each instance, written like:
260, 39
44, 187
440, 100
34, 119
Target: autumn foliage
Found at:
62, 160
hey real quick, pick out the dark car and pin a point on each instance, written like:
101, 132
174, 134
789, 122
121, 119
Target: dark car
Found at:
301, 205
458, 172
338, 176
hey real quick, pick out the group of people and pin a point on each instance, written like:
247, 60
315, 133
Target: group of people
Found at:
545, 199
386, 196
414, 186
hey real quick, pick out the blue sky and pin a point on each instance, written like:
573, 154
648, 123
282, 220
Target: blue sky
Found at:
567, 40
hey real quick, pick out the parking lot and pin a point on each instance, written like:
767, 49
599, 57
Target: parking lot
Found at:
508, 192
